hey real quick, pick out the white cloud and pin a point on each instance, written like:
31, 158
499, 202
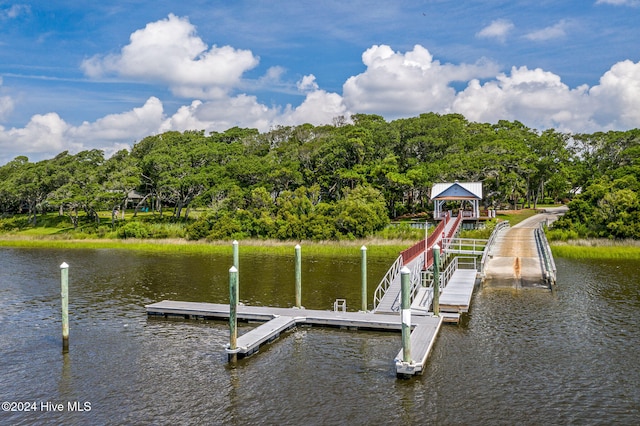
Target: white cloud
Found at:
169, 52
555, 31
618, 97
396, 84
620, 2
126, 126
47, 135
307, 83
498, 29
319, 107
15, 11
43, 135
222, 114
6, 104
535, 97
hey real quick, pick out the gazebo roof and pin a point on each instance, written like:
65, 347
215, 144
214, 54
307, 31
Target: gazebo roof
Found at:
457, 191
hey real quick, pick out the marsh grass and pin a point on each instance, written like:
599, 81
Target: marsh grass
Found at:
375, 247
597, 249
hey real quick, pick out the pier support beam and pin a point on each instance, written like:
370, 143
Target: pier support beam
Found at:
236, 264
405, 280
298, 261
64, 295
233, 315
363, 275
436, 280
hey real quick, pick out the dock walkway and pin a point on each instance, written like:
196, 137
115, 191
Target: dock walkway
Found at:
511, 252
422, 340
456, 296
279, 320
390, 301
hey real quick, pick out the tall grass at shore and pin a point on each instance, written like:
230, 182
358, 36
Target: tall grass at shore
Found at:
375, 247
597, 249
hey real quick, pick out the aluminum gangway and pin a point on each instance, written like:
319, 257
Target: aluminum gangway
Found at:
419, 257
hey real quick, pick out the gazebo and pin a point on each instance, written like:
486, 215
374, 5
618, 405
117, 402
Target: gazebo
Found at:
465, 192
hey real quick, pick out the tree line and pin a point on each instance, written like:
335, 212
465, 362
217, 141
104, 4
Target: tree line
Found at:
335, 181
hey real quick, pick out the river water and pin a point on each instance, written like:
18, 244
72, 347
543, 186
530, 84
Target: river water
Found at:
519, 357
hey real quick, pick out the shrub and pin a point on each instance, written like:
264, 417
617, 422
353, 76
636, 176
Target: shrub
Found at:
198, 229
134, 230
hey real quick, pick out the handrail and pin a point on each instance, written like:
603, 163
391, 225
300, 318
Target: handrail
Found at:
411, 254
388, 278
457, 244
492, 239
415, 283
445, 277
548, 264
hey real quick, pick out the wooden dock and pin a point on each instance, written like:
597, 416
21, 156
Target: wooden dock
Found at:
279, 320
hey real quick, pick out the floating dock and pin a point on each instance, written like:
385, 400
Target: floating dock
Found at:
278, 320
456, 296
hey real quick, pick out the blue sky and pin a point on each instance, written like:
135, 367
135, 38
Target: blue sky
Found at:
80, 75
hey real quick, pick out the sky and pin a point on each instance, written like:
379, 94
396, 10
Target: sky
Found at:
78, 75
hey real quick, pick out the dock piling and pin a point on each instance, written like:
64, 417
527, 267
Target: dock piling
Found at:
405, 277
233, 314
363, 274
64, 294
436, 280
236, 264
298, 267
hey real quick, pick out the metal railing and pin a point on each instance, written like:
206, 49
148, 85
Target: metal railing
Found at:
500, 226
388, 278
464, 245
458, 262
546, 257
445, 229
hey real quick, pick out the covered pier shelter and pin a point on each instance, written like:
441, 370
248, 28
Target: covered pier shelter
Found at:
467, 193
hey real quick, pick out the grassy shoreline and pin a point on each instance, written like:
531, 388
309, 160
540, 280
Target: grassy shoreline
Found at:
597, 249
375, 247
576, 249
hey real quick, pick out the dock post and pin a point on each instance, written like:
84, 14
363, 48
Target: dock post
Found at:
405, 278
363, 275
236, 264
233, 314
298, 262
436, 280
64, 294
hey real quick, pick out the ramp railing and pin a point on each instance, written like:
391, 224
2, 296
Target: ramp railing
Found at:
546, 257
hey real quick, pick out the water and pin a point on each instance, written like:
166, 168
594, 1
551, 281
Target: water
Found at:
526, 357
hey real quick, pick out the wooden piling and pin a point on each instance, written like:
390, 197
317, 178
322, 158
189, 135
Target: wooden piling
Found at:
405, 294
64, 294
363, 275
